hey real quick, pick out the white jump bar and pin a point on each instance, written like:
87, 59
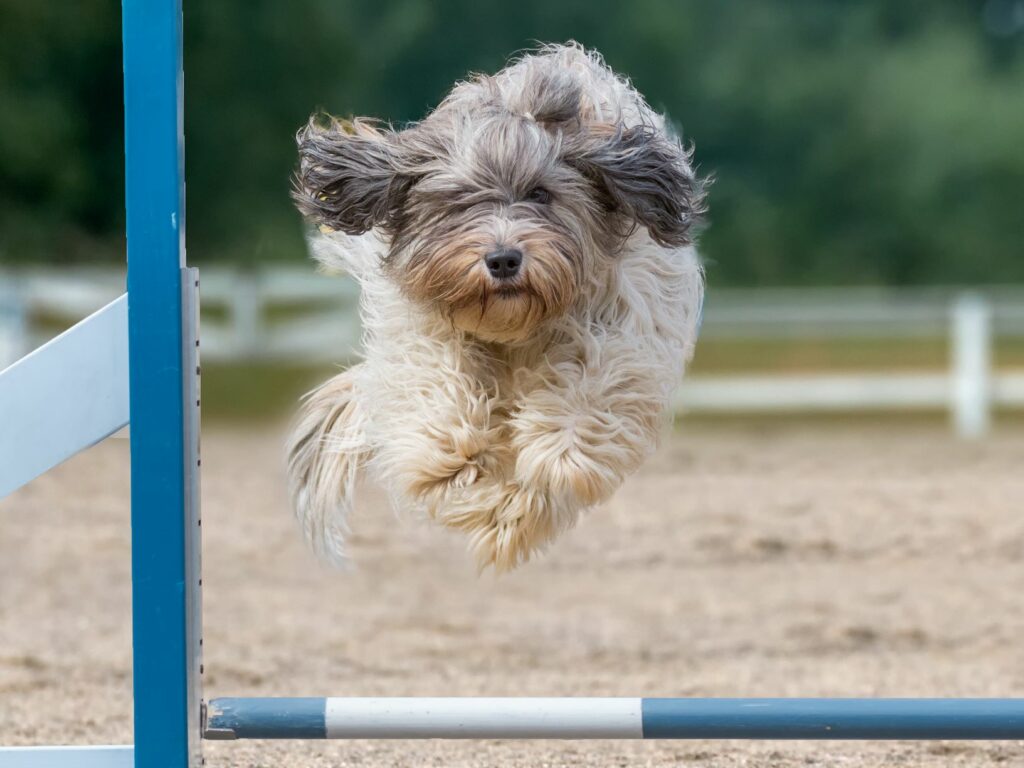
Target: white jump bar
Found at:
64, 396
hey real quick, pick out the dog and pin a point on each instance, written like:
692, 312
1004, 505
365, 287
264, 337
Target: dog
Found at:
530, 297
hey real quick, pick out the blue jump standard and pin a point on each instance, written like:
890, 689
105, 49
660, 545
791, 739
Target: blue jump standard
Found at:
572, 718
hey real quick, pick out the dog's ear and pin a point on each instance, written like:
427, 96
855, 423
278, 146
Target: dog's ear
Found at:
348, 177
645, 175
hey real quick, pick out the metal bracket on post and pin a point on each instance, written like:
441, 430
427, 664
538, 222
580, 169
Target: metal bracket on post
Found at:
191, 374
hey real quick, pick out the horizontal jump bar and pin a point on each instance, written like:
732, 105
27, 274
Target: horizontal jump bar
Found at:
612, 718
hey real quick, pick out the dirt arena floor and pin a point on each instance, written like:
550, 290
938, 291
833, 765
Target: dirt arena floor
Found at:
771, 560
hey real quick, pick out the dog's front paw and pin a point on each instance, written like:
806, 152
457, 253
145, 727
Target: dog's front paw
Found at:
574, 462
440, 462
506, 524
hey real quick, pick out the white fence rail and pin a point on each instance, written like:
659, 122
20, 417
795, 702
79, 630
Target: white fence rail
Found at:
291, 315
969, 387
294, 315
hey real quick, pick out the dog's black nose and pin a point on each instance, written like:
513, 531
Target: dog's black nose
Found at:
504, 262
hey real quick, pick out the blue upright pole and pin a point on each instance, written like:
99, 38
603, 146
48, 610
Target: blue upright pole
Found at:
166, 713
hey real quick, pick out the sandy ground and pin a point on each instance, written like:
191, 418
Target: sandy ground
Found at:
771, 560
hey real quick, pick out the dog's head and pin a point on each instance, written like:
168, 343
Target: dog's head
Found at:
502, 204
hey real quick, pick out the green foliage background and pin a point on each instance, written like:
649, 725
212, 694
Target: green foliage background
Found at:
867, 142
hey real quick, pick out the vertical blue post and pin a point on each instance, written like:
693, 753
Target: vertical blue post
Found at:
166, 727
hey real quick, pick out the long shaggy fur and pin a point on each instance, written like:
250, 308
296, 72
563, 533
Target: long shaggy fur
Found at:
501, 408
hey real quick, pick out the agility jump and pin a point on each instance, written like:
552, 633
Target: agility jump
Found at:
142, 367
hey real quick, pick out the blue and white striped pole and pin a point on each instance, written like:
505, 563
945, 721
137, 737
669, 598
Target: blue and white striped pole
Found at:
613, 718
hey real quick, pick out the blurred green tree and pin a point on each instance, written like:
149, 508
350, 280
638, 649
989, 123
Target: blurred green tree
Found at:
869, 142
61, 135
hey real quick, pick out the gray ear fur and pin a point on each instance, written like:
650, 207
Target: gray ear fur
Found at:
347, 178
647, 176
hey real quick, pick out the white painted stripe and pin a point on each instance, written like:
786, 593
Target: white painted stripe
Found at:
484, 718
73, 757
65, 396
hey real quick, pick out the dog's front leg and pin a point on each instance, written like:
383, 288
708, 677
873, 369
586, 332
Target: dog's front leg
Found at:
583, 420
592, 415
435, 431
448, 453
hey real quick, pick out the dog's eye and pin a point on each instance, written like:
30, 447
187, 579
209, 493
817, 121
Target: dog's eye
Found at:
538, 195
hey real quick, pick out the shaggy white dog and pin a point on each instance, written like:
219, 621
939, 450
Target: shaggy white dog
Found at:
530, 297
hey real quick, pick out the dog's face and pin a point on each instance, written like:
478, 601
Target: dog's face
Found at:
498, 214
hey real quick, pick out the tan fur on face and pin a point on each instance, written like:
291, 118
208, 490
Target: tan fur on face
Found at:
501, 409
449, 275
